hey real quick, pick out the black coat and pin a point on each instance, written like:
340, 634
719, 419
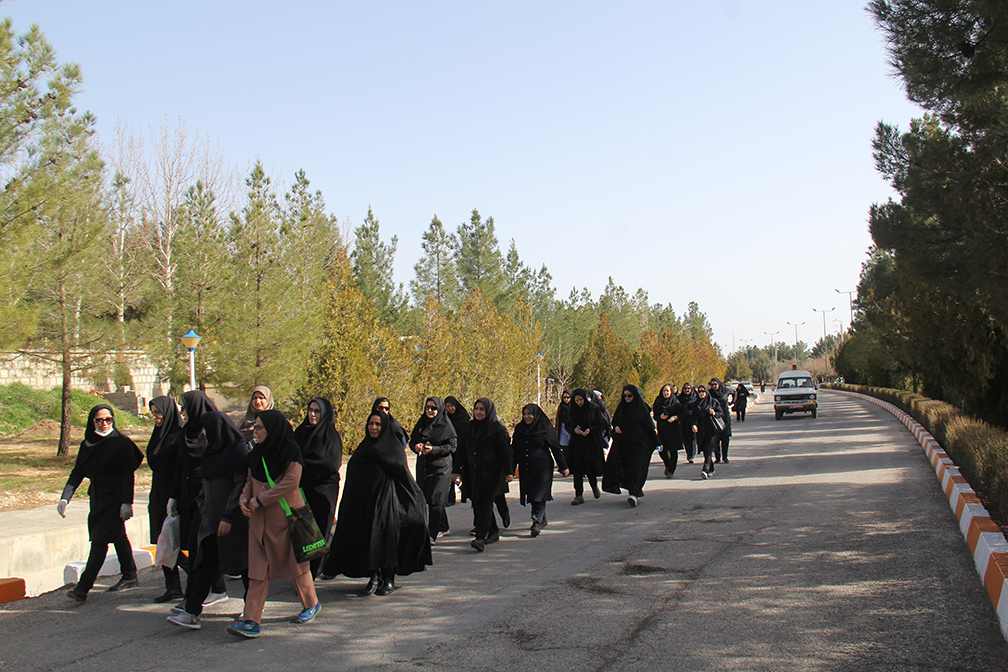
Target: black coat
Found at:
630, 454
536, 450
670, 433
488, 456
586, 454
162, 457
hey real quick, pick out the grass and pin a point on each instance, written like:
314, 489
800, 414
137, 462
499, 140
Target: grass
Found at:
21, 407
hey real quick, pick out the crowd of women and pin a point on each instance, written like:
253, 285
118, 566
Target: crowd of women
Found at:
231, 487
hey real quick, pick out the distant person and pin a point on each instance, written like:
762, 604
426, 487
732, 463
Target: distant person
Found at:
536, 452
275, 457
381, 530
688, 399
262, 400
670, 417
586, 451
488, 468
166, 441
108, 459
561, 422
634, 439
741, 400
322, 450
433, 439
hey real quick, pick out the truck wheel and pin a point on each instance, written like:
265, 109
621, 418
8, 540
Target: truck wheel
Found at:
815, 412
779, 414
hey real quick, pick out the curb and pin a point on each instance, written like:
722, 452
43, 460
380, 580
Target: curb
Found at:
985, 540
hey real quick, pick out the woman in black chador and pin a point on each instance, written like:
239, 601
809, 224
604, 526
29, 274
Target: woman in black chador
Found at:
384, 406
433, 439
381, 530
109, 460
688, 398
670, 417
322, 449
222, 538
167, 439
586, 453
459, 417
536, 450
741, 401
487, 470
724, 396
707, 433
634, 439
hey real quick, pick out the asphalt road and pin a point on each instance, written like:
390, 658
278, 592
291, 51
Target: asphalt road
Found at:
825, 545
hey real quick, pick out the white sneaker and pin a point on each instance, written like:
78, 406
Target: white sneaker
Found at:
179, 608
703, 475
185, 620
632, 501
214, 598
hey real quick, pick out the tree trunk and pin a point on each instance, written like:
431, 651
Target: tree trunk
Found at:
64, 438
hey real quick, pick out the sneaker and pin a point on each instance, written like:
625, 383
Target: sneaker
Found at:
493, 538
76, 595
185, 620
711, 473
443, 533
214, 598
632, 501
233, 577
578, 500
703, 475
248, 629
478, 544
307, 615
123, 584
168, 596
178, 608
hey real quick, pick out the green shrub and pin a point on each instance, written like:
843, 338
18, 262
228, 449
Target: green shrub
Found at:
21, 407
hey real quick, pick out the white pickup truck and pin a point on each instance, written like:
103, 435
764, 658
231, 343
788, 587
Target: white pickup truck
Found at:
795, 393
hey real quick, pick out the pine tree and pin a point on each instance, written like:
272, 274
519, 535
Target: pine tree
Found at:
373, 261
478, 257
435, 271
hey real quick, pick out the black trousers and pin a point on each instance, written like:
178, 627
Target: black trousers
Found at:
484, 518
579, 483
205, 575
96, 558
710, 447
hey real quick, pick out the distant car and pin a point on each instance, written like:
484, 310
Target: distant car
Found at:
795, 393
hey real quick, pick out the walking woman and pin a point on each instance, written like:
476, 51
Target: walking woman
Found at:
276, 457
262, 400
384, 406
724, 396
322, 450
741, 401
167, 439
704, 412
669, 416
487, 470
433, 439
585, 453
536, 451
688, 398
223, 532
562, 422
459, 417
108, 459
381, 530
634, 439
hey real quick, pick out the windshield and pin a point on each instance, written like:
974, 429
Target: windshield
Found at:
794, 382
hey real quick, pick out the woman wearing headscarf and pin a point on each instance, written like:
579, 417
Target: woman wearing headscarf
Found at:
536, 451
724, 396
741, 401
669, 416
562, 421
384, 406
381, 530
634, 439
703, 413
223, 531
275, 457
459, 417
586, 452
108, 459
687, 397
262, 400
487, 470
433, 439
322, 450
167, 439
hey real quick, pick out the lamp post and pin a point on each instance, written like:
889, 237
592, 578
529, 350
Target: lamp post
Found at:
190, 341
850, 304
539, 358
773, 342
797, 355
824, 343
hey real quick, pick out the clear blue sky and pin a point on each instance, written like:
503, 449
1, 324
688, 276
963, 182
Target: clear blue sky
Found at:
695, 149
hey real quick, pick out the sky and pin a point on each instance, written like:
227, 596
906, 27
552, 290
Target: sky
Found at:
716, 152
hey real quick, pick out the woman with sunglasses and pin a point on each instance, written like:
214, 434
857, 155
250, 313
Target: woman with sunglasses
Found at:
704, 412
634, 439
688, 398
433, 439
109, 459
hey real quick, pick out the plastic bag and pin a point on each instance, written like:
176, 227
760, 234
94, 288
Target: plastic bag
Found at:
168, 543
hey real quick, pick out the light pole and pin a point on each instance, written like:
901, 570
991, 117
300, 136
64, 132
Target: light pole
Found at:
191, 340
539, 358
797, 355
824, 343
773, 342
850, 303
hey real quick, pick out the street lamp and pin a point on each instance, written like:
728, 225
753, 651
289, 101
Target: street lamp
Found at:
824, 343
797, 355
539, 358
773, 342
850, 303
190, 341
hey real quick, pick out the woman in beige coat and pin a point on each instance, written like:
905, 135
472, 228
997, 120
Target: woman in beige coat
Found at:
271, 555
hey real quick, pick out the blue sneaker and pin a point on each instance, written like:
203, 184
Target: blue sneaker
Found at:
247, 629
307, 615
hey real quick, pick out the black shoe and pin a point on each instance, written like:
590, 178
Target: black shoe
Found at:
493, 537
596, 491
124, 584
506, 519
371, 588
543, 524
478, 544
168, 596
534, 532
725, 460
78, 596
385, 588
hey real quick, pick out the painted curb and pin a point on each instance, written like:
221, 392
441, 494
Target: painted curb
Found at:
985, 540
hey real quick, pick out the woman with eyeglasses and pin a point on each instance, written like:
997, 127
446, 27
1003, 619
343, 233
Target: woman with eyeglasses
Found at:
322, 450
167, 439
688, 397
634, 439
704, 412
108, 459
725, 396
586, 451
669, 416
433, 439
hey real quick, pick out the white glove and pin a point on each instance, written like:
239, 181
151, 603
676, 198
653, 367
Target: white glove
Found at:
172, 508
126, 511
61, 508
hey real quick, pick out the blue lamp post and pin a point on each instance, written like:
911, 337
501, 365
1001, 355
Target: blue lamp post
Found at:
190, 341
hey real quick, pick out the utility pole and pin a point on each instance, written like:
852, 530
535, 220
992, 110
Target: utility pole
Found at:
825, 344
797, 354
850, 304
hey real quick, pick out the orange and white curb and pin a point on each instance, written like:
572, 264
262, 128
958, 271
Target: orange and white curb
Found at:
985, 540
